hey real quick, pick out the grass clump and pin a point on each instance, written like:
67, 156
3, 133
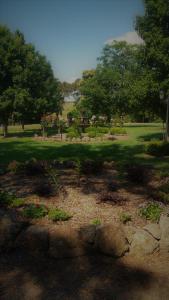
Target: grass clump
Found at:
10, 200
56, 214
125, 217
158, 148
35, 211
96, 222
151, 212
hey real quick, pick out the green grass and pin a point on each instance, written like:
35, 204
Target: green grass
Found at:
21, 146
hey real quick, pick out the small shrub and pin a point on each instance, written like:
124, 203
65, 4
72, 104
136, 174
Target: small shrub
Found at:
14, 166
118, 131
151, 212
34, 167
125, 217
56, 214
89, 166
10, 200
43, 188
96, 222
114, 198
35, 211
138, 174
158, 148
73, 132
17, 202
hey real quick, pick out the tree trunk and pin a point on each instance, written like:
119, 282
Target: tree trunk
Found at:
5, 130
23, 126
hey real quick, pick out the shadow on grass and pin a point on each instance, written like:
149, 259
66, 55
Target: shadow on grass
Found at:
158, 136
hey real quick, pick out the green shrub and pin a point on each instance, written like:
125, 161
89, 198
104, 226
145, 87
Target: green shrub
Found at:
17, 202
158, 148
125, 217
89, 166
10, 200
96, 222
73, 132
35, 211
118, 131
151, 212
56, 214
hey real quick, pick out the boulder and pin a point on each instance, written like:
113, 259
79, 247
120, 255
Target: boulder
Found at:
66, 242
129, 231
154, 230
9, 231
35, 239
143, 243
87, 234
111, 240
164, 226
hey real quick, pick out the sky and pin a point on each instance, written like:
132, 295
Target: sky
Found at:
72, 33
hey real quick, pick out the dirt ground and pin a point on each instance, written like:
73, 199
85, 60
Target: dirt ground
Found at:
23, 277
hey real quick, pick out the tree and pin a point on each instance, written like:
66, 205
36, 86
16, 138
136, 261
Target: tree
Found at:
153, 28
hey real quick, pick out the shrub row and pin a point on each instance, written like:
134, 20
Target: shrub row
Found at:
158, 148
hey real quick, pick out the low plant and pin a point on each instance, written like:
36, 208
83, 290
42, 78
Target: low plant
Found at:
10, 200
89, 166
111, 197
118, 131
159, 148
151, 212
35, 211
34, 167
56, 214
14, 166
125, 217
96, 222
138, 174
43, 188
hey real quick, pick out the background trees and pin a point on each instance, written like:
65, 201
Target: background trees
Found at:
28, 88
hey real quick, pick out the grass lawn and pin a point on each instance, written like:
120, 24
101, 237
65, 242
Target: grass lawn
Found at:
21, 146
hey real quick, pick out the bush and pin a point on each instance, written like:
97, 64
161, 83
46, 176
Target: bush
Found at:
34, 167
138, 174
125, 217
73, 132
151, 212
118, 131
56, 214
89, 166
114, 198
96, 222
10, 200
14, 166
158, 148
34, 211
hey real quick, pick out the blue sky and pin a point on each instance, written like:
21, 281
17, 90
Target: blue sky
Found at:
71, 33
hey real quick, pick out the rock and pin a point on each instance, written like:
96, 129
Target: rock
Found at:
154, 230
143, 243
9, 231
35, 239
111, 240
164, 226
65, 242
87, 234
129, 232
108, 164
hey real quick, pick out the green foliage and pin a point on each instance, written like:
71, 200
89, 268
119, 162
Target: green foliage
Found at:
151, 212
56, 214
158, 148
10, 200
125, 217
118, 131
96, 222
35, 211
73, 132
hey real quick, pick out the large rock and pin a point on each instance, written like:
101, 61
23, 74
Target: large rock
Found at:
129, 231
154, 230
111, 240
9, 231
164, 226
35, 239
143, 243
66, 242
